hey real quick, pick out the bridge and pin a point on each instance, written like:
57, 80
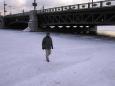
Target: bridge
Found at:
78, 18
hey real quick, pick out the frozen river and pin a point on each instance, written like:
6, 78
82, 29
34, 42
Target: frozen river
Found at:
75, 61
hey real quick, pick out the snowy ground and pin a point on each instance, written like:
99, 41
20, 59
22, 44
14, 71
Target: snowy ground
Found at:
107, 30
75, 61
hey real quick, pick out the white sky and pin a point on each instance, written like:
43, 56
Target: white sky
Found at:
18, 5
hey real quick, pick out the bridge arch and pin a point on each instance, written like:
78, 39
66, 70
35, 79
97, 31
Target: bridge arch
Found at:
18, 25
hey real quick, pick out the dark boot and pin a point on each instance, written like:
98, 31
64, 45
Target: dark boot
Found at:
47, 59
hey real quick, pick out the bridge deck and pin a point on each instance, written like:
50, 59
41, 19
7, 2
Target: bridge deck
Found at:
99, 4
87, 14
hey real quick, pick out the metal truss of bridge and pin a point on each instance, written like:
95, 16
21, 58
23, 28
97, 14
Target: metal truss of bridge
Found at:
81, 18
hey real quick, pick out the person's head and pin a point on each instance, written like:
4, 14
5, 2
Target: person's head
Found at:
47, 34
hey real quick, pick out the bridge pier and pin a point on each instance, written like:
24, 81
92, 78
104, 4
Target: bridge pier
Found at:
33, 22
1, 22
93, 30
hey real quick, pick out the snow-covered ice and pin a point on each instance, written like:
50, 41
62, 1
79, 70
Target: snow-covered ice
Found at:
75, 61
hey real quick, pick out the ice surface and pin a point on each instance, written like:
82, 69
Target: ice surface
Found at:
75, 60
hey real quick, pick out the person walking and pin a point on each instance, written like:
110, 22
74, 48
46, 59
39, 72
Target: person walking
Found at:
47, 44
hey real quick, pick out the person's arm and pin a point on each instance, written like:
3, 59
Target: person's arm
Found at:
43, 43
51, 44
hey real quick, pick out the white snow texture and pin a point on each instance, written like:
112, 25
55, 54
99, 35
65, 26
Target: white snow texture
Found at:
75, 60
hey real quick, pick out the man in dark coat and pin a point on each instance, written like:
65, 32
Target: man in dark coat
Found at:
47, 45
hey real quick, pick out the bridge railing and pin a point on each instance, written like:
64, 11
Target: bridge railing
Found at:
98, 4
20, 14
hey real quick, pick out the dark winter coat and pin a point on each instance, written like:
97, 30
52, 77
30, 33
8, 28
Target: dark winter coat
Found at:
47, 43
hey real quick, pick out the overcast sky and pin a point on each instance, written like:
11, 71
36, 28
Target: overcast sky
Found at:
18, 5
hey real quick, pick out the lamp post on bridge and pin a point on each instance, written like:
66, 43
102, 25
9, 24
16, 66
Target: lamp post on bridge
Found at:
0, 13
34, 4
92, 3
5, 8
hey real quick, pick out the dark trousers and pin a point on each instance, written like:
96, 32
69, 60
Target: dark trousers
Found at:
48, 52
